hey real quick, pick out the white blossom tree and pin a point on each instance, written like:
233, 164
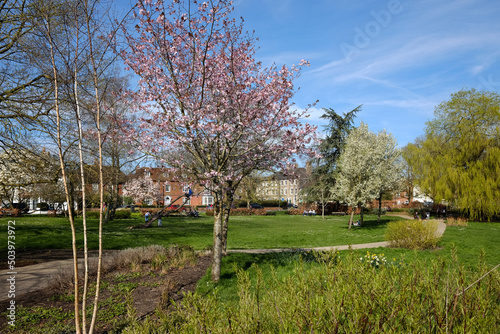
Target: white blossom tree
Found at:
388, 171
20, 170
366, 167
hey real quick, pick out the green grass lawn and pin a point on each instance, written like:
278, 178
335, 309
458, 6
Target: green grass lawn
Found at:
281, 231
249, 232
469, 243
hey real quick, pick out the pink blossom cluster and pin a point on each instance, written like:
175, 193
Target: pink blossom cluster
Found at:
141, 189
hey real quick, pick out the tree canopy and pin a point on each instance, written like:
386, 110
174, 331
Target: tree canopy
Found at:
324, 174
458, 158
367, 166
207, 107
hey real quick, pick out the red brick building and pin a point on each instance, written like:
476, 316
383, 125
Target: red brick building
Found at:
172, 192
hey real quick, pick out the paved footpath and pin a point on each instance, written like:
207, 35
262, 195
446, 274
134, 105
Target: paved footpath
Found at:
40, 276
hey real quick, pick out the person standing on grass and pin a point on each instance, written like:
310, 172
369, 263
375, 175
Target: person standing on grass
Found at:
189, 193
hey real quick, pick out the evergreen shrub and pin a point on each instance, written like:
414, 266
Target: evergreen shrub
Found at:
122, 214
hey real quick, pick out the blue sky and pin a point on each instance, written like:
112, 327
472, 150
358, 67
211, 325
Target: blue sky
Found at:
399, 59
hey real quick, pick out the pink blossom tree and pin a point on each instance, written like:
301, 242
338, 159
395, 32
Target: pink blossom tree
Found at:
207, 107
142, 189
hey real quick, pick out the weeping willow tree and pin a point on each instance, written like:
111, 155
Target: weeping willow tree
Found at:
459, 156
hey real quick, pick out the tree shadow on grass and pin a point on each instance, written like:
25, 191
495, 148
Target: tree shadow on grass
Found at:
246, 261
372, 223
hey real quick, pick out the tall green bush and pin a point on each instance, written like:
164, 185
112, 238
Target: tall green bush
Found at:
122, 214
412, 234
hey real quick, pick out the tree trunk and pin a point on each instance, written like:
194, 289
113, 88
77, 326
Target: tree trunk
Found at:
229, 198
379, 207
217, 248
323, 203
352, 216
225, 224
361, 218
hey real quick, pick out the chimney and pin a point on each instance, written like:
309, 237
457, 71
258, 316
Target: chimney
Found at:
308, 167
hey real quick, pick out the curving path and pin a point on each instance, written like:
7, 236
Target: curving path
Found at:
40, 276
439, 233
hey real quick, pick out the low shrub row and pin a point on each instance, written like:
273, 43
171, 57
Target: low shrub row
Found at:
245, 212
119, 214
457, 221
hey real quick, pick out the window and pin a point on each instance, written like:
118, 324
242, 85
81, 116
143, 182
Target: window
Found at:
147, 173
95, 186
284, 182
149, 201
168, 200
167, 188
284, 191
186, 201
207, 200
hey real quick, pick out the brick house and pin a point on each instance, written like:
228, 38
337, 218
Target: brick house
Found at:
172, 192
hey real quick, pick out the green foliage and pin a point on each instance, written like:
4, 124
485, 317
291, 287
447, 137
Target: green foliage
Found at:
323, 177
337, 130
412, 234
398, 210
122, 214
244, 212
128, 200
349, 295
30, 316
457, 160
92, 214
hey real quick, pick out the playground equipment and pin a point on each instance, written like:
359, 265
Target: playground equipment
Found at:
165, 212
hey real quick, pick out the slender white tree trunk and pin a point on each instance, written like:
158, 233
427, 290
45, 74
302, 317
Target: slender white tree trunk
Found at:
88, 15
64, 176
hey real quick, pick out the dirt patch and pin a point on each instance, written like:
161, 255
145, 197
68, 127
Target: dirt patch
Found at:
139, 291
